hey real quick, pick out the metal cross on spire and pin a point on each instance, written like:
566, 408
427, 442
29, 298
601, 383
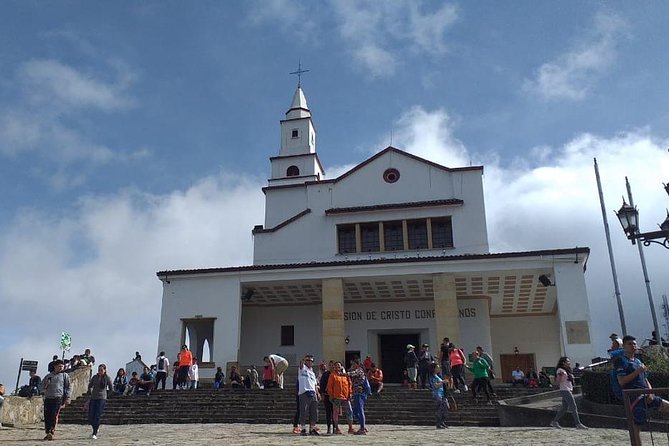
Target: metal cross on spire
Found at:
299, 73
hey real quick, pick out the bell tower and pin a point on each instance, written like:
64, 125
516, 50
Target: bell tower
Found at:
297, 161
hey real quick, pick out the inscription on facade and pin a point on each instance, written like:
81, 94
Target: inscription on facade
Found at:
392, 315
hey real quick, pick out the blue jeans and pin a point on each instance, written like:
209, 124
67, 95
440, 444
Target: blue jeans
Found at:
95, 410
359, 408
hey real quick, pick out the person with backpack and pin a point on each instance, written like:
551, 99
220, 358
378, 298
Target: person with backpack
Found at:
439, 395
565, 380
163, 368
631, 373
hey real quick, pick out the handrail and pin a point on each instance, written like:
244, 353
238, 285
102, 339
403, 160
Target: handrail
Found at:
628, 395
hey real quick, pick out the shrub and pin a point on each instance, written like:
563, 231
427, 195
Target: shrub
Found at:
596, 384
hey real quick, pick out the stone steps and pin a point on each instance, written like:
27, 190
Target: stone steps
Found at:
395, 406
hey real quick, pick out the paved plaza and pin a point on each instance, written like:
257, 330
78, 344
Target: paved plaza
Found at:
272, 434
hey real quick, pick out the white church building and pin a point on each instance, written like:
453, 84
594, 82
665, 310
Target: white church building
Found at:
394, 251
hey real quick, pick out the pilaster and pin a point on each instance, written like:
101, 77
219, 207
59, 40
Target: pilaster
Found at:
446, 308
333, 320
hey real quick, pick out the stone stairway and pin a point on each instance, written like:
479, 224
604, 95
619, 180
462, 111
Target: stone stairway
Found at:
395, 405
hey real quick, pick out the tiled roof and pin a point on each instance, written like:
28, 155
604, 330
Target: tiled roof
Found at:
362, 262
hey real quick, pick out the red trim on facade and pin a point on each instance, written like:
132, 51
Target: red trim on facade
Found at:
260, 230
369, 160
382, 207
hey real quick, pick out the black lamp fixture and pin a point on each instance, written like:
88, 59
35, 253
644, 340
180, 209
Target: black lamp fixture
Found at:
248, 294
628, 216
347, 340
516, 351
545, 281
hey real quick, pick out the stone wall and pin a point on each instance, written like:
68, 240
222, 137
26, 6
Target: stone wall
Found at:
17, 410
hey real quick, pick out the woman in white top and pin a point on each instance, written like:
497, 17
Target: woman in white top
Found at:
565, 379
194, 374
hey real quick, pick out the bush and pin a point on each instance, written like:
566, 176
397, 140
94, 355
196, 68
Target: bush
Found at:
596, 384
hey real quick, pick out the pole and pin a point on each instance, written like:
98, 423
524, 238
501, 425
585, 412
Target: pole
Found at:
611, 259
645, 271
18, 377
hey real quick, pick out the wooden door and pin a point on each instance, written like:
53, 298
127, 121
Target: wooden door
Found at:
509, 363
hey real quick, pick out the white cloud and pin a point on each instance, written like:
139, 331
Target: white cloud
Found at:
380, 33
291, 16
549, 200
377, 34
572, 75
90, 271
51, 97
53, 83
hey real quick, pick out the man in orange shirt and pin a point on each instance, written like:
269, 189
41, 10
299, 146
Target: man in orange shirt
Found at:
185, 360
375, 379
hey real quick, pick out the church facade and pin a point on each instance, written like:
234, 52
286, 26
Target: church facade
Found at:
394, 251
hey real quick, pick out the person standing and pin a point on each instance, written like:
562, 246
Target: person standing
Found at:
194, 375
185, 361
445, 361
57, 391
425, 361
308, 395
162, 369
98, 386
411, 362
327, 401
361, 390
439, 395
565, 380
279, 365
339, 389
2, 399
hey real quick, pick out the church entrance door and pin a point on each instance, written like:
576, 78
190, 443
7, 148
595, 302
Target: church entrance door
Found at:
392, 348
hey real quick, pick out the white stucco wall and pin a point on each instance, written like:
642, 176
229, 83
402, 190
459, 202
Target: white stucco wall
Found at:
419, 181
261, 332
261, 327
210, 297
535, 334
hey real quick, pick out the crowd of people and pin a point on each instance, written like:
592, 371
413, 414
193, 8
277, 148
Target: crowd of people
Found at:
343, 392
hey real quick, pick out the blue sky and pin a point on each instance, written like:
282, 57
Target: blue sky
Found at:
135, 137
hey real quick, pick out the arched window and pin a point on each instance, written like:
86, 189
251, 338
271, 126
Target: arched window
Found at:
292, 171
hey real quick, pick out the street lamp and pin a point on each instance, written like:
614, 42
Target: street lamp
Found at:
629, 220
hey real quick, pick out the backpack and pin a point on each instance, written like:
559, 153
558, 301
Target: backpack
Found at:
161, 364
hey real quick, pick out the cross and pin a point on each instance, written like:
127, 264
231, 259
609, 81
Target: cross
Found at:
299, 73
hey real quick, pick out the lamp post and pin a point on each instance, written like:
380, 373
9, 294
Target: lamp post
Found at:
629, 220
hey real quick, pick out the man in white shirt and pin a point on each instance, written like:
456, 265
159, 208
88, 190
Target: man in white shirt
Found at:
518, 377
308, 395
162, 367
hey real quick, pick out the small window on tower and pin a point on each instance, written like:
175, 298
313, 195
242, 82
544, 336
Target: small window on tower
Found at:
295, 133
292, 171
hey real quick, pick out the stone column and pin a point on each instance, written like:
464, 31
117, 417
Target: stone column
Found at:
446, 308
333, 320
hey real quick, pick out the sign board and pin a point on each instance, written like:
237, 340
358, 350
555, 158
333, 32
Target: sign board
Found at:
28, 365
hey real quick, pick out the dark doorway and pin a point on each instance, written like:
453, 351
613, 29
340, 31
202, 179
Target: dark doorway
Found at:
350, 356
392, 348
508, 363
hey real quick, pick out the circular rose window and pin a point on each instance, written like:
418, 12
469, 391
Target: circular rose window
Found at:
391, 175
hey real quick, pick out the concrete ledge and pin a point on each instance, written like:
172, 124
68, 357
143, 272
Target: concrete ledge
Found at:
19, 411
